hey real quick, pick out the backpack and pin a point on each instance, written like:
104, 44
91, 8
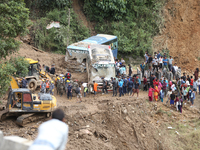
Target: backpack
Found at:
77, 90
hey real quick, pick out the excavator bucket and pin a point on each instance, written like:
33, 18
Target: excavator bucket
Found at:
3, 114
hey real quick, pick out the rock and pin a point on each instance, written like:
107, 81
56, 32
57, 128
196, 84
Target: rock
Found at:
33, 130
143, 135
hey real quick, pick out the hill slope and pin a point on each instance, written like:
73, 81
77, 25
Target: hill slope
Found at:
181, 33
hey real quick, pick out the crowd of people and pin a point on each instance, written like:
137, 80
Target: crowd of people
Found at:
159, 62
178, 92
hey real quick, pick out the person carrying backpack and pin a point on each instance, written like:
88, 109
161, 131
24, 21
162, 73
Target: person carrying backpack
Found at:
162, 94
68, 75
78, 94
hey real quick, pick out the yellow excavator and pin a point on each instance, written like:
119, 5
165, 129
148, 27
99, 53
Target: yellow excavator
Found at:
35, 75
26, 106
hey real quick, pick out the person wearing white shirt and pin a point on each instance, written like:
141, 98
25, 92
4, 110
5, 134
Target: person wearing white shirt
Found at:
155, 61
187, 82
122, 61
160, 62
52, 134
175, 67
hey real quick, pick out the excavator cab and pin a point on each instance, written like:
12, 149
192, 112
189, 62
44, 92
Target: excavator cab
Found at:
28, 107
34, 69
19, 100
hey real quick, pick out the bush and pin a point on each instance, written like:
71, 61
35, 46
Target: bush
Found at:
55, 39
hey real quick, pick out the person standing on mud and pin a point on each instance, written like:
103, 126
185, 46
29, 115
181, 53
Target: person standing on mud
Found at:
130, 87
43, 86
52, 71
104, 85
170, 61
120, 84
95, 88
114, 83
136, 89
60, 87
51, 88
129, 70
165, 62
52, 134
69, 91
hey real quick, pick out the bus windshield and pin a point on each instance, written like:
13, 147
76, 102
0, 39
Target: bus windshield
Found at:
99, 54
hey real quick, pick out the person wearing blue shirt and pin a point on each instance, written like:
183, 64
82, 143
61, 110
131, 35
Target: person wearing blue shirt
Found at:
142, 66
166, 81
120, 84
158, 55
165, 62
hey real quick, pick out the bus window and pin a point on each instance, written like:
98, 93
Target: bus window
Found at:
113, 44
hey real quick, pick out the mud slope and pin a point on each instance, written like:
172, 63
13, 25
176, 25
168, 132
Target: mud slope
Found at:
181, 33
48, 59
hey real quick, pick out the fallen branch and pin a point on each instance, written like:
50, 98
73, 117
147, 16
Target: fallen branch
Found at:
37, 50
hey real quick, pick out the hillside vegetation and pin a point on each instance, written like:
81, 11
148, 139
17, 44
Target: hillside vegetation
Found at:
135, 22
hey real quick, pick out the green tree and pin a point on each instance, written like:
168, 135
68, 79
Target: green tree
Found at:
14, 20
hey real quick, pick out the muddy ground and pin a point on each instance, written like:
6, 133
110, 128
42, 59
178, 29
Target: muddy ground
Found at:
113, 123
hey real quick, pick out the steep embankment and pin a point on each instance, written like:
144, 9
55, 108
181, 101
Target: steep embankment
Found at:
78, 9
181, 33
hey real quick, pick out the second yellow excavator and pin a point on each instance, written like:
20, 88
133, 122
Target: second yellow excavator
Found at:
26, 106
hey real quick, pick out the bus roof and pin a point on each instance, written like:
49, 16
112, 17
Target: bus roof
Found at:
80, 45
98, 39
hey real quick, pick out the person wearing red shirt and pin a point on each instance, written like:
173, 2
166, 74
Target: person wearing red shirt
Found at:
191, 82
145, 83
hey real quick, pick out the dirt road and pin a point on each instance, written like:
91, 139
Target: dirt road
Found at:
110, 122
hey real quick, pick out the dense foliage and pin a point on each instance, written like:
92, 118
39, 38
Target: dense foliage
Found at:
14, 21
39, 8
135, 22
55, 39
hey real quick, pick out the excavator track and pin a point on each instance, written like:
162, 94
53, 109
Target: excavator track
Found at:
3, 114
28, 118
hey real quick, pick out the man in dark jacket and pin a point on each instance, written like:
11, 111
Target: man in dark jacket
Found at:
130, 87
115, 84
125, 85
24, 83
104, 85
52, 71
130, 70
